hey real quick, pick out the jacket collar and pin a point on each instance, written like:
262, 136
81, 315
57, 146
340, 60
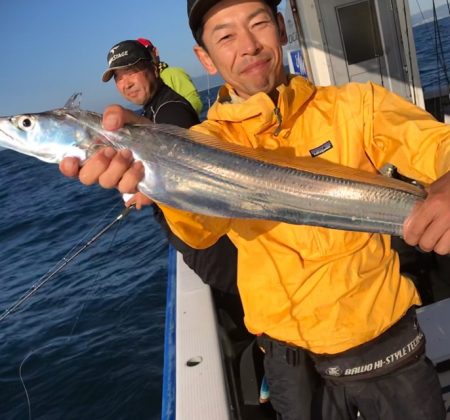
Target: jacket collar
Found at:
230, 107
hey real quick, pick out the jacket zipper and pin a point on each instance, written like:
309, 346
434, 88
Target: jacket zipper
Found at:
277, 113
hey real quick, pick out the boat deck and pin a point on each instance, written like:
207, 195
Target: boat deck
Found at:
211, 385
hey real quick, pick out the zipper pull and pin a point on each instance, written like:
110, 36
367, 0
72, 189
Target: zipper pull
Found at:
279, 119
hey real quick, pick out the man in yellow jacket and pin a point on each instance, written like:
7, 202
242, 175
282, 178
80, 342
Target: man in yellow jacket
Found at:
337, 295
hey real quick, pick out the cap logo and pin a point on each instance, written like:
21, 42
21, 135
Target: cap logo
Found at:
116, 56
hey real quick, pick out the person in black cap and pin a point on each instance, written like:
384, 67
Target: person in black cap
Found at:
335, 294
134, 70
137, 79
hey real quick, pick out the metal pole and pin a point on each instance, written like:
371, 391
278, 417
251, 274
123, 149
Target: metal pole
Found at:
301, 39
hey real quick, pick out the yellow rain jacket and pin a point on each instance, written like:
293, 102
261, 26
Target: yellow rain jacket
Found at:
321, 289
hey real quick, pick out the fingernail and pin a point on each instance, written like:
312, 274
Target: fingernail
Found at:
126, 154
110, 122
109, 152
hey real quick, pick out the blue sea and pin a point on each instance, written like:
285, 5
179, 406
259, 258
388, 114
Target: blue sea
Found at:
432, 65
88, 345
90, 341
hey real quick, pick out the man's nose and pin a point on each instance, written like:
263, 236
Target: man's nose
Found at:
128, 82
249, 43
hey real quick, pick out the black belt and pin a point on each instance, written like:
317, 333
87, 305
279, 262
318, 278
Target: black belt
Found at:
293, 355
397, 346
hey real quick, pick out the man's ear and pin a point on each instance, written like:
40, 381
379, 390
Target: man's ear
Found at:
205, 59
282, 29
155, 71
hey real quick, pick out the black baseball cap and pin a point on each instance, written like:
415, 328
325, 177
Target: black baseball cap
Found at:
125, 54
198, 8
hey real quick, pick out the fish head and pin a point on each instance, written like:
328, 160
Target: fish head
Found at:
50, 136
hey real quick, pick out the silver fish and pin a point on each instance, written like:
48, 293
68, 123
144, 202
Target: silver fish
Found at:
206, 175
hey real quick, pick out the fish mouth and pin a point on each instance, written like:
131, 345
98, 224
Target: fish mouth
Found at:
4, 137
9, 141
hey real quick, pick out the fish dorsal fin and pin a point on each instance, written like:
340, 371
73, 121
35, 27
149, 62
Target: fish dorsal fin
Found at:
73, 101
285, 157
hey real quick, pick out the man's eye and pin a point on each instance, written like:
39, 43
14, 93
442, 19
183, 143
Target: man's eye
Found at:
224, 37
261, 22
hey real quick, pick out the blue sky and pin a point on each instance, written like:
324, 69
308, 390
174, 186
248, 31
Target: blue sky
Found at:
53, 48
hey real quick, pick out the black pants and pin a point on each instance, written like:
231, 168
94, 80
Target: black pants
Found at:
411, 393
407, 389
293, 381
388, 378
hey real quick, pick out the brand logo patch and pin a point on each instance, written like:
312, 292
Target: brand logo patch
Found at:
334, 371
116, 56
321, 149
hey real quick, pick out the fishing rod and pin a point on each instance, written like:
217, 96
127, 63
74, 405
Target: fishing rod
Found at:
66, 261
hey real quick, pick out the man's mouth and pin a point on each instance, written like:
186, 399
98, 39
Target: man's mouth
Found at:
256, 66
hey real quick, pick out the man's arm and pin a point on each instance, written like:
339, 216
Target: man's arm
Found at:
118, 169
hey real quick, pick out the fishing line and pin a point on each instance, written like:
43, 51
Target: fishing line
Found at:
420, 10
90, 232
93, 283
439, 47
65, 261
23, 383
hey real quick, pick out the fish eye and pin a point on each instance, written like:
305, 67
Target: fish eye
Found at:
25, 122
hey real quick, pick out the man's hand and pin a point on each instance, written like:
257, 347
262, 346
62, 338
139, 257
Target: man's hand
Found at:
429, 224
139, 200
108, 167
